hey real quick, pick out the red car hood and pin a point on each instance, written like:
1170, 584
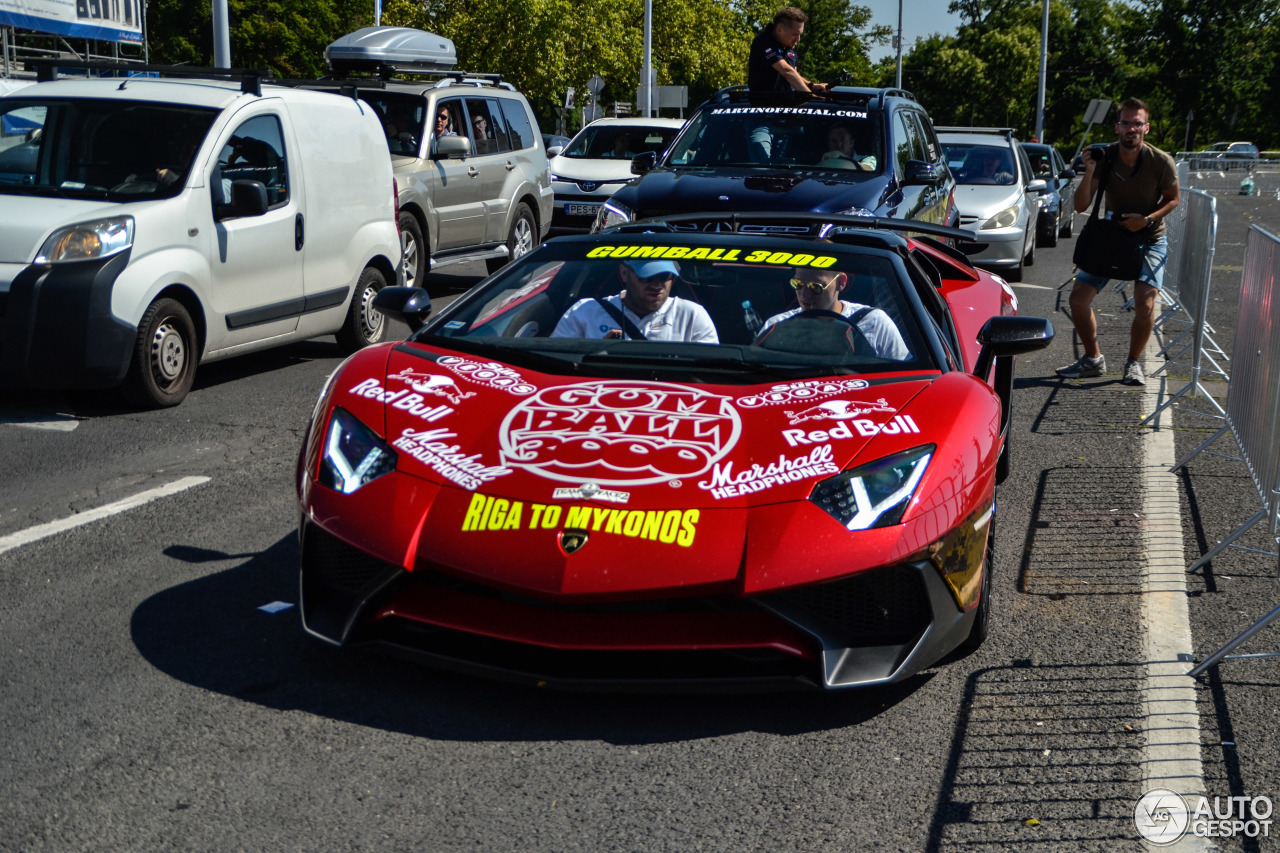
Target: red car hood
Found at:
519, 434
662, 477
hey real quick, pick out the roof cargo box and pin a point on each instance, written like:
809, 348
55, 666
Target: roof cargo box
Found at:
388, 48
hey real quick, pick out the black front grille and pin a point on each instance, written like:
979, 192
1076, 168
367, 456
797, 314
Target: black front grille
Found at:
337, 565
881, 607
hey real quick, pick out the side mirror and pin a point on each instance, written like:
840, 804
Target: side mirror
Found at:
1006, 336
1037, 186
410, 304
554, 150
918, 173
452, 146
248, 198
1067, 174
643, 163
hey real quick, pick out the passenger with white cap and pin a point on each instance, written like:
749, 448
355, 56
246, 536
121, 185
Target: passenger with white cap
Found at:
644, 309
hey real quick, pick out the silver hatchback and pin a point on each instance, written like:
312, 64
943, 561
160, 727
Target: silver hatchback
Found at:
996, 194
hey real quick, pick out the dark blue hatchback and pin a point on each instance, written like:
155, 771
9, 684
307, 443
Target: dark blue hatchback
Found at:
868, 152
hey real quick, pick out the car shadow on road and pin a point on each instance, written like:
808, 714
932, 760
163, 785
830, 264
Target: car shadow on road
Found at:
210, 633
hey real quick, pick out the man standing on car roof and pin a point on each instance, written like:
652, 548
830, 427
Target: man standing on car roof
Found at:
771, 67
1142, 189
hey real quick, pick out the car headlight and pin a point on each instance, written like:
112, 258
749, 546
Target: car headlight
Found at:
1003, 219
611, 213
353, 454
86, 241
875, 494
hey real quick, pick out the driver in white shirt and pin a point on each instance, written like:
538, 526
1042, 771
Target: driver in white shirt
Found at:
647, 303
819, 290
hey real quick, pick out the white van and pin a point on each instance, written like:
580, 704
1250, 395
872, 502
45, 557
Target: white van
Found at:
147, 225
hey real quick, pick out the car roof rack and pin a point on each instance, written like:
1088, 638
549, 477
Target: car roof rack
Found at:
251, 80
998, 131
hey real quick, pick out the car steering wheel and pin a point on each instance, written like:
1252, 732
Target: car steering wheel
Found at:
861, 345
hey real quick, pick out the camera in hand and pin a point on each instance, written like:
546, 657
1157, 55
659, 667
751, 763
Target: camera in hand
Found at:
1097, 152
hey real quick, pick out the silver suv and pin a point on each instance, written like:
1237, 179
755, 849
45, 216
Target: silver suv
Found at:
466, 150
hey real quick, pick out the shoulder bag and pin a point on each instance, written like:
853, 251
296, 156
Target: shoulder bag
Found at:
1106, 248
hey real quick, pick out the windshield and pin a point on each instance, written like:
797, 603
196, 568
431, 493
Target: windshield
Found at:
717, 311
90, 148
401, 116
835, 138
610, 141
981, 164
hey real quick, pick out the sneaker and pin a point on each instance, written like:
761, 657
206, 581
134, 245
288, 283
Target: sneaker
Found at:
1084, 368
1133, 373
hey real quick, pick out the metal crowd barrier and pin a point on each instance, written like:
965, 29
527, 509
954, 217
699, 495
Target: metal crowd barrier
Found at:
1231, 176
1253, 407
1193, 233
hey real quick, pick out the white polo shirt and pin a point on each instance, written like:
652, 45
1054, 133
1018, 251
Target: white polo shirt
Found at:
677, 320
879, 329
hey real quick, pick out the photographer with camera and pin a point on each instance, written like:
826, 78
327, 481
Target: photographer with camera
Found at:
1140, 185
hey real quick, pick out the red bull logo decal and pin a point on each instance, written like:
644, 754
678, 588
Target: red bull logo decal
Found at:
616, 433
899, 425
838, 410
403, 399
432, 383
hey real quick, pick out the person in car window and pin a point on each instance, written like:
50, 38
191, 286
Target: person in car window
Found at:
819, 290
840, 153
645, 309
996, 168
444, 124
480, 126
621, 146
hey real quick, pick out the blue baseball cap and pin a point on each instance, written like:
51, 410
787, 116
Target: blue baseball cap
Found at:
649, 269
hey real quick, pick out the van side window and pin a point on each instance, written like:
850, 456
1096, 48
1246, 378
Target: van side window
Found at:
484, 130
255, 152
522, 133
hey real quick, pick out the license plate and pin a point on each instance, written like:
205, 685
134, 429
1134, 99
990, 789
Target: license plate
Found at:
581, 209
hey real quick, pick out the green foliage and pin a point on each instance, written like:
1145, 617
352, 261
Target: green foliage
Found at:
1215, 58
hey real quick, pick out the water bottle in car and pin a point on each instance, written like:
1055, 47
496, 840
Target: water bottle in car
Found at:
750, 317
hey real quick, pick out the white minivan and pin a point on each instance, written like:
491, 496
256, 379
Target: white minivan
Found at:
150, 224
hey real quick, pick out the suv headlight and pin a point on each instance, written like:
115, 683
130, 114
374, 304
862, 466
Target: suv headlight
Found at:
86, 241
875, 494
611, 213
1003, 219
353, 455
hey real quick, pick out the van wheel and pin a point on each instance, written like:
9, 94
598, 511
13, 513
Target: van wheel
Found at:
364, 325
414, 251
520, 241
164, 357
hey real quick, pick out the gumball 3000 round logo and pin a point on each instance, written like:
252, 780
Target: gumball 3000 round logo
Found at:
616, 433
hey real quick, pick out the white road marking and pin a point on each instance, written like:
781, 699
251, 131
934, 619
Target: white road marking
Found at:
1171, 721
58, 423
52, 528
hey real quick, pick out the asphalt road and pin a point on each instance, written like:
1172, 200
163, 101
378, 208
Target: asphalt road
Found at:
149, 703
